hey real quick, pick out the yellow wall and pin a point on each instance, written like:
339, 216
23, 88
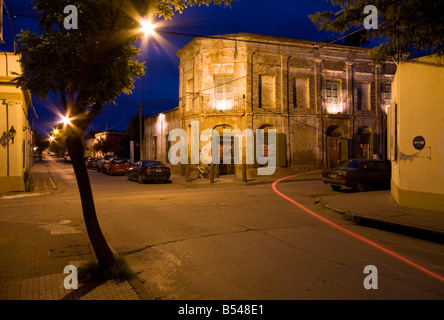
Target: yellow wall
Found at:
418, 176
17, 102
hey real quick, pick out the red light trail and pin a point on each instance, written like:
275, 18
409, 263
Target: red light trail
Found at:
353, 234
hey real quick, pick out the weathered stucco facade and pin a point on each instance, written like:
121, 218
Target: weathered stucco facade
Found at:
326, 102
416, 133
15, 131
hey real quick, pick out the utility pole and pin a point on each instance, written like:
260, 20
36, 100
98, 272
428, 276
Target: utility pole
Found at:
140, 131
1, 23
131, 143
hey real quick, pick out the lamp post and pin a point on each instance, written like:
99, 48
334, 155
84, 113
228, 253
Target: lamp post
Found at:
147, 28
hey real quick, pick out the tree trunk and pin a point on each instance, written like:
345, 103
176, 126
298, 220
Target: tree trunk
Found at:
103, 252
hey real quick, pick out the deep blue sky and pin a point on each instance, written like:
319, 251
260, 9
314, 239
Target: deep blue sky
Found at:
158, 89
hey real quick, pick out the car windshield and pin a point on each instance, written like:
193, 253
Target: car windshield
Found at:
149, 164
349, 164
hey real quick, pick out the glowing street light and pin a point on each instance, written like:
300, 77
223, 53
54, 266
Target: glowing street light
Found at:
56, 131
51, 138
147, 27
66, 120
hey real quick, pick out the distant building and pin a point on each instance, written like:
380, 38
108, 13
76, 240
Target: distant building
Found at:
416, 133
15, 131
89, 150
326, 102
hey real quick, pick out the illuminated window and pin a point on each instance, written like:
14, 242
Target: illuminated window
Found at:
333, 91
223, 92
334, 103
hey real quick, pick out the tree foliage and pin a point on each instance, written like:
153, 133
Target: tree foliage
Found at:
91, 66
113, 143
405, 26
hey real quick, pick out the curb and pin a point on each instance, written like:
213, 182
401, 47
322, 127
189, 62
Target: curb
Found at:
400, 228
204, 183
135, 282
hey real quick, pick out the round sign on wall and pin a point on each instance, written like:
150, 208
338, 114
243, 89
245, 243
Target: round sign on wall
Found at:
419, 143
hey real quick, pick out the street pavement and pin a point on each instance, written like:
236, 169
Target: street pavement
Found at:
32, 263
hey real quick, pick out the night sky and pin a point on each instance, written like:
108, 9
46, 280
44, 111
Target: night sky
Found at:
158, 89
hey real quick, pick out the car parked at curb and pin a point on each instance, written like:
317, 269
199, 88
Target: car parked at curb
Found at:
91, 162
104, 162
118, 166
359, 174
149, 170
67, 157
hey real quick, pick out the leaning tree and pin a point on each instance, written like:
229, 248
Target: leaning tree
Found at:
86, 68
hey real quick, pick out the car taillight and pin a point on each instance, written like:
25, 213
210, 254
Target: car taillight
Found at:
342, 177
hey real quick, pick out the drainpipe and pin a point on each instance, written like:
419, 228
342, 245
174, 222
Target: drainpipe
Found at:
7, 128
252, 86
288, 111
252, 100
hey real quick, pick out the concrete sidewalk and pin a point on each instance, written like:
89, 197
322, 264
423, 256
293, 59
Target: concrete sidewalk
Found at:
32, 265
379, 210
33, 256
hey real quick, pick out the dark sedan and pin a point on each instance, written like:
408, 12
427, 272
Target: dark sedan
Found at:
359, 174
149, 170
91, 162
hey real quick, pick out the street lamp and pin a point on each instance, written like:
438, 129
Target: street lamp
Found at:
147, 27
12, 133
66, 120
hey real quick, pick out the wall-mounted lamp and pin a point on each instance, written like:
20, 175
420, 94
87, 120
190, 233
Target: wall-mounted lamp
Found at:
12, 133
7, 138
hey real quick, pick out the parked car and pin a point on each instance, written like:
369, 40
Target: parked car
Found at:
103, 163
149, 170
67, 157
118, 166
359, 174
37, 155
91, 162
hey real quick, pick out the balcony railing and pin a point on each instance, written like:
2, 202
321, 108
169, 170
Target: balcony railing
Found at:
225, 106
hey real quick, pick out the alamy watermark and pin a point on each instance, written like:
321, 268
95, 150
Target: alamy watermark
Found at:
371, 21
72, 19
264, 150
72, 280
371, 281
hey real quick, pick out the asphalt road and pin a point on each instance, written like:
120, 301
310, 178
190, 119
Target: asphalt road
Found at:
242, 242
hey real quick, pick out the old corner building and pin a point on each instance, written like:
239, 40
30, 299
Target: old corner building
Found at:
326, 102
